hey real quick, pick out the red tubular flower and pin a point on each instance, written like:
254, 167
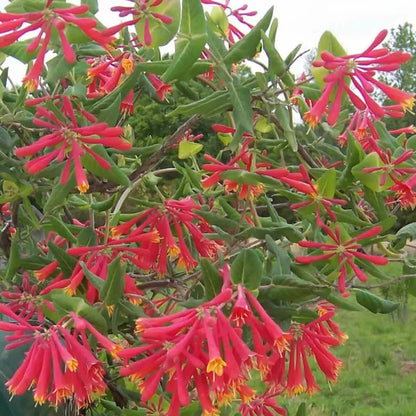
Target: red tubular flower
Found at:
312, 191
172, 222
313, 339
127, 105
262, 405
162, 89
405, 193
240, 14
97, 260
344, 252
15, 25
59, 365
202, 348
244, 160
141, 10
361, 70
107, 72
393, 169
25, 301
70, 141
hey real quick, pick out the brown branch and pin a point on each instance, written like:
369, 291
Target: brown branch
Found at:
157, 156
389, 282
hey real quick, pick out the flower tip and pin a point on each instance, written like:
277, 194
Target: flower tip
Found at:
311, 119
216, 365
30, 84
408, 103
72, 364
83, 187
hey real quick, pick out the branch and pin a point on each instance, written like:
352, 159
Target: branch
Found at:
390, 282
157, 156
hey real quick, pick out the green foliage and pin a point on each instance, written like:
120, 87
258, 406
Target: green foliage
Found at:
112, 211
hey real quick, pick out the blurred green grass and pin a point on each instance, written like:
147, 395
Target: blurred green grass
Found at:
379, 374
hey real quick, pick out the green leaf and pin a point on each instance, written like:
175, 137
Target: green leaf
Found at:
273, 30
87, 237
59, 193
247, 269
343, 303
405, 233
242, 111
58, 226
326, 184
190, 40
372, 179
160, 32
212, 104
101, 206
276, 232
374, 303
376, 200
66, 262
247, 46
386, 140
225, 223
282, 114
113, 288
218, 21
95, 280
67, 304
33, 262
228, 209
211, 279
283, 260
215, 39
114, 174
111, 114
311, 91
13, 263
187, 149
58, 68
301, 409
327, 42
355, 154
193, 177
6, 143
18, 50
277, 65
289, 293
92, 4
348, 216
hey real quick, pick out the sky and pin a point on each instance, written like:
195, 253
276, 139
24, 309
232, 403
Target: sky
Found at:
355, 23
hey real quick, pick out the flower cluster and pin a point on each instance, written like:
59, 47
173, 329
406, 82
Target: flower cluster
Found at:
97, 259
244, 160
69, 140
15, 25
60, 363
207, 348
143, 9
170, 221
25, 300
361, 69
240, 14
344, 252
107, 73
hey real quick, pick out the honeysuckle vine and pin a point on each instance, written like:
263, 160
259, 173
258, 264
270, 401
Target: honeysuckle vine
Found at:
202, 272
